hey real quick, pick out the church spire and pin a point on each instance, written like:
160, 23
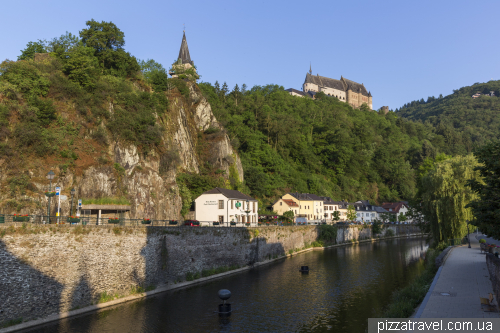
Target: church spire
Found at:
184, 51
310, 69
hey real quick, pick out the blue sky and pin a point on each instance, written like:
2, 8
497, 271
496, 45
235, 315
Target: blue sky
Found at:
400, 50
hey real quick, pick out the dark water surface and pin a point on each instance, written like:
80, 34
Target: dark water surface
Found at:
346, 286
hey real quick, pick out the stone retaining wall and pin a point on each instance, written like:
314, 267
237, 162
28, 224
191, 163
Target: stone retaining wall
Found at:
493, 264
47, 269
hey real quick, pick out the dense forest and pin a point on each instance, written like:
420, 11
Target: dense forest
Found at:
286, 143
474, 120
325, 146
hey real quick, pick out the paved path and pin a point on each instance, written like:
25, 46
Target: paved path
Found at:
464, 276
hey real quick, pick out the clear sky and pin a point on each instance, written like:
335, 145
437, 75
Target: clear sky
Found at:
401, 50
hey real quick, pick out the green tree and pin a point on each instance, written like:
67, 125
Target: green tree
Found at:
402, 217
63, 44
445, 197
155, 74
336, 216
486, 208
24, 76
351, 213
82, 66
102, 37
288, 215
108, 41
31, 49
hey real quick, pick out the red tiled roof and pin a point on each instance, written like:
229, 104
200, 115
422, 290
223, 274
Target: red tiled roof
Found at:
394, 206
290, 203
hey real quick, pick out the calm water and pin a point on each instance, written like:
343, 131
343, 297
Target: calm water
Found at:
346, 286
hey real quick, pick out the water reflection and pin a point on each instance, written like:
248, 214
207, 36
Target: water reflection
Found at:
346, 286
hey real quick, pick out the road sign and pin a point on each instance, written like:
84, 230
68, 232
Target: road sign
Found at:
58, 190
79, 202
238, 205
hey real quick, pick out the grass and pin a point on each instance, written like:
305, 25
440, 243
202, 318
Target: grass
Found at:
12, 322
106, 201
404, 301
104, 297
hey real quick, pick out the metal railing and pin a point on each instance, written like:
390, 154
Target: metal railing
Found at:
96, 221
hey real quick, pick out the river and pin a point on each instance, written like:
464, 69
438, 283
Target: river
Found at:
346, 285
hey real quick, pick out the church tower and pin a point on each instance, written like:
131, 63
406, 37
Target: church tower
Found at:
184, 66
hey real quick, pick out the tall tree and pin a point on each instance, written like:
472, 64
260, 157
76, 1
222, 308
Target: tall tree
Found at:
486, 208
445, 197
31, 49
351, 213
102, 37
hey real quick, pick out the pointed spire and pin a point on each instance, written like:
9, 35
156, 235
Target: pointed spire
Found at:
184, 51
310, 68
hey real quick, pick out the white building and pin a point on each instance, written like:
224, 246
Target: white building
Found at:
222, 205
368, 213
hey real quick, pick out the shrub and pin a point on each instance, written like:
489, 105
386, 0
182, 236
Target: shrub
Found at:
376, 227
212, 130
327, 233
389, 233
44, 110
25, 76
134, 119
482, 241
180, 85
100, 136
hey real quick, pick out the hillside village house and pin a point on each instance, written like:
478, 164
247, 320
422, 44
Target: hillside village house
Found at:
223, 205
396, 208
310, 205
331, 206
367, 213
284, 205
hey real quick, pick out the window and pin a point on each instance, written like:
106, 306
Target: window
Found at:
254, 206
221, 218
232, 201
281, 204
221, 204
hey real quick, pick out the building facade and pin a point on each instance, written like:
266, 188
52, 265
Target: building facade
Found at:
284, 205
223, 205
345, 90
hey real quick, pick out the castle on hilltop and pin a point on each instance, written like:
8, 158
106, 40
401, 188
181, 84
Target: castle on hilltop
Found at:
345, 90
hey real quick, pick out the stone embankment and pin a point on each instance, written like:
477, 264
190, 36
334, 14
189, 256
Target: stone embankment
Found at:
50, 269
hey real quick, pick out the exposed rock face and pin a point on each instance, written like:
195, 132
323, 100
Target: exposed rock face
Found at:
148, 181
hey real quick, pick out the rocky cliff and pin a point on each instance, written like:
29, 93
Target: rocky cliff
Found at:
147, 179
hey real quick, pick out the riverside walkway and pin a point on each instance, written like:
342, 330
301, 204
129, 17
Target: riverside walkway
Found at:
460, 282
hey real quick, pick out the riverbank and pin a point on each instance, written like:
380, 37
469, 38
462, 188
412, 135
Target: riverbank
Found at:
161, 289
458, 286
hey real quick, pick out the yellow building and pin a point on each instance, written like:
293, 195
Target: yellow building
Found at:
284, 205
310, 205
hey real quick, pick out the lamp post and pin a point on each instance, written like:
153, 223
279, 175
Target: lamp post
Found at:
50, 176
72, 195
468, 236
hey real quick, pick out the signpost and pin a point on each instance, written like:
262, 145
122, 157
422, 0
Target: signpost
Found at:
79, 207
58, 193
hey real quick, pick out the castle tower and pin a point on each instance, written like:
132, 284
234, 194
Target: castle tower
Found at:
184, 63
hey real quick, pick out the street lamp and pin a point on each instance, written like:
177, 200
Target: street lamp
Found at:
50, 176
468, 236
73, 191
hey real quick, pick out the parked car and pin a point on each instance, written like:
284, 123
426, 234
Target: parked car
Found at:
192, 223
